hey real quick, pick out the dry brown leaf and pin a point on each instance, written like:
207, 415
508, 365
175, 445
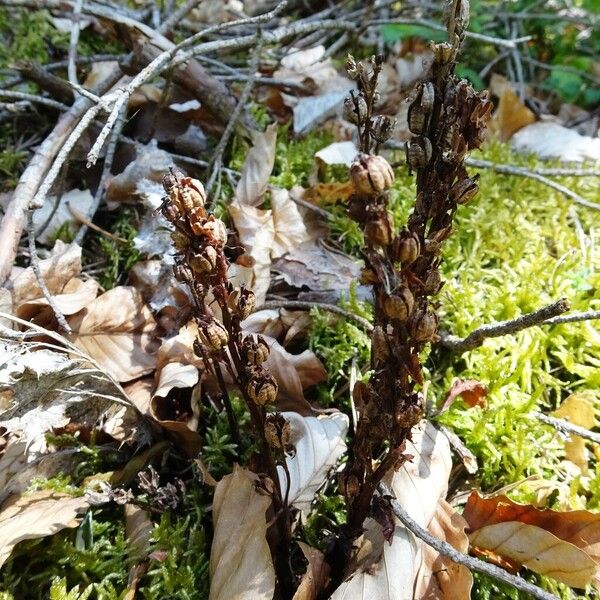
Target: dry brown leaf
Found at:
279, 323
63, 264
327, 193
510, 116
257, 168
36, 515
315, 579
439, 578
538, 550
116, 330
257, 233
473, 392
241, 567
138, 530
289, 228
578, 409
579, 528
75, 296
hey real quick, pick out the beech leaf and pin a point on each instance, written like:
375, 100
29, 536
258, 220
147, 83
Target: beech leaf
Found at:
36, 515
115, 330
319, 443
257, 168
241, 567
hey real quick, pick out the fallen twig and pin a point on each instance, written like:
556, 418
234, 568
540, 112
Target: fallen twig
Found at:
470, 562
33, 98
478, 336
566, 427
73, 41
523, 172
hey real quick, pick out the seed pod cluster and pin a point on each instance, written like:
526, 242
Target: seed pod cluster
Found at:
399, 304
241, 303
420, 109
261, 387
255, 350
212, 334
278, 432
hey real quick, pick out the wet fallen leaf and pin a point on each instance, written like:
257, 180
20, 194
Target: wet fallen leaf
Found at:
241, 567
319, 442
257, 168
116, 330
578, 409
562, 544
37, 515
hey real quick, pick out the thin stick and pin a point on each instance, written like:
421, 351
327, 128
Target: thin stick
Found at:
33, 98
479, 335
35, 265
454, 555
566, 427
332, 308
88, 223
73, 41
521, 171
589, 315
216, 160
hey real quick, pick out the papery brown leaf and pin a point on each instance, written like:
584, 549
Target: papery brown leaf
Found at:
257, 233
328, 193
116, 330
473, 392
63, 264
279, 323
289, 227
580, 528
75, 296
257, 168
37, 515
538, 550
439, 578
315, 579
138, 531
241, 567
510, 116
578, 409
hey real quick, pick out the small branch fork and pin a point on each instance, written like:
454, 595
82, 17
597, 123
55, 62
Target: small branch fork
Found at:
548, 315
566, 427
470, 562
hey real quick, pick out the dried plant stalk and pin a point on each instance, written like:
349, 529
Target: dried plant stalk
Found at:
447, 118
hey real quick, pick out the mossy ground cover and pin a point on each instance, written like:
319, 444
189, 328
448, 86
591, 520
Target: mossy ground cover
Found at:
516, 248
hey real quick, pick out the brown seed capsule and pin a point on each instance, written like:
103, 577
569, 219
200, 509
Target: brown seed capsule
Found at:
382, 128
357, 209
256, 350
418, 152
262, 387
213, 335
170, 211
377, 232
353, 68
355, 108
205, 261
408, 416
241, 303
400, 304
192, 194
424, 325
406, 248
180, 241
183, 273
352, 486
212, 228
463, 191
278, 432
419, 111
379, 344
368, 276
433, 282
371, 174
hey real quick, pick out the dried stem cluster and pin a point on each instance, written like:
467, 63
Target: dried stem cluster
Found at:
200, 241
447, 118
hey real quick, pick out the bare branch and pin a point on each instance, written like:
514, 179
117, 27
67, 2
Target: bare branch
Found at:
566, 427
478, 336
523, 172
470, 562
